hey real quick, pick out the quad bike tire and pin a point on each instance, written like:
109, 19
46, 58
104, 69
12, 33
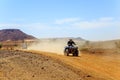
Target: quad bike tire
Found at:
76, 53
66, 52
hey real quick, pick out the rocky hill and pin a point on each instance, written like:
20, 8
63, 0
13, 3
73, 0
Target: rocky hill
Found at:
14, 35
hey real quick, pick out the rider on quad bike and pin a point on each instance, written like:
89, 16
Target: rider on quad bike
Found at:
71, 43
71, 48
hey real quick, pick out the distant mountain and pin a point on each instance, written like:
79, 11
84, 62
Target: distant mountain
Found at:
63, 40
14, 35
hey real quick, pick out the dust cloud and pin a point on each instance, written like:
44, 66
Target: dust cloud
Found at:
54, 46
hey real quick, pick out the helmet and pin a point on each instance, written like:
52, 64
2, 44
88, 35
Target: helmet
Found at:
70, 39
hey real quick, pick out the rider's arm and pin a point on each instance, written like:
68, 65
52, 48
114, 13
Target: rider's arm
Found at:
68, 43
74, 43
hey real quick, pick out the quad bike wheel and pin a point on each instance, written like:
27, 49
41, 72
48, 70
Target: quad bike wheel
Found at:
66, 52
75, 53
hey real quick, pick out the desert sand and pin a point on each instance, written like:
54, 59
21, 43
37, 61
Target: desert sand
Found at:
36, 65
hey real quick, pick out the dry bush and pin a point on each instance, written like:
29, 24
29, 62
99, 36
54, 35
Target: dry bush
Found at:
0, 46
89, 48
117, 43
85, 47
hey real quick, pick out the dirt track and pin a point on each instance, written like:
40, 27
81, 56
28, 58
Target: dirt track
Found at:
17, 65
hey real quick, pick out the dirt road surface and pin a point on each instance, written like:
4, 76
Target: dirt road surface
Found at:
35, 65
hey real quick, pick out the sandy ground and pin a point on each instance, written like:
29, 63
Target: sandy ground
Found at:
22, 65
98, 67
27, 66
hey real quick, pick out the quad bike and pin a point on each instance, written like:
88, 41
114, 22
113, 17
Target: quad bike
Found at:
71, 50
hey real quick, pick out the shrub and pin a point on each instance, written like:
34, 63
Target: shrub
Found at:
84, 49
117, 44
0, 46
85, 46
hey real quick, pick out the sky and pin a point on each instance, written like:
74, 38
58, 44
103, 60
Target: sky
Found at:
89, 19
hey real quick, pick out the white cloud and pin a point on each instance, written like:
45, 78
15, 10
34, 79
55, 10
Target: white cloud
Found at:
31, 25
71, 22
7, 25
36, 29
106, 19
66, 20
97, 23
